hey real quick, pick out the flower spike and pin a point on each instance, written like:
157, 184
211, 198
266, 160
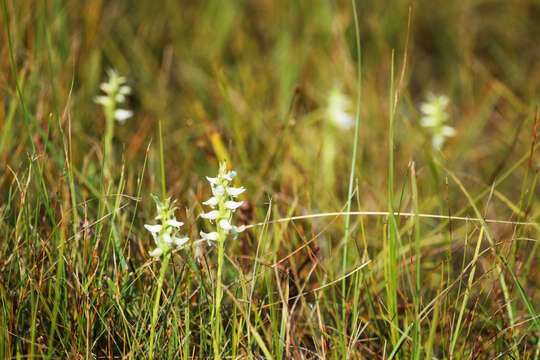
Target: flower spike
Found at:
224, 205
165, 234
434, 116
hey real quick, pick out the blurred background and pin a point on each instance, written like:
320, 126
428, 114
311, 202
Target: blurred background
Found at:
259, 73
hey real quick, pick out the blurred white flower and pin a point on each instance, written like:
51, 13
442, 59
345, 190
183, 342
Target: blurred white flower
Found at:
122, 115
103, 100
434, 117
165, 234
115, 90
338, 109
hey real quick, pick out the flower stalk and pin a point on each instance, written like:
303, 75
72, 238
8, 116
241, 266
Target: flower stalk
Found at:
115, 92
223, 206
434, 118
155, 311
166, 236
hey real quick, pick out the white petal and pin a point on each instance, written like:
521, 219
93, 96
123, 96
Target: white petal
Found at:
122, 115
437, 141
338, 100
107, 87
167, 239
218, 191
238, 229
225, 225
120, 98
428, 108
121, 80
212, 181
212, 215
209, 236
233, 205
156, 252
211, 202
102, 100
342, 119
230, 175
429, 121
180, 241
175, 223
448, 131
443, 100
235, 191
124, 90
154, 229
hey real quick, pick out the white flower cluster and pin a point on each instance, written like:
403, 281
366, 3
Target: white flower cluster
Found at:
434, 116
165, 234
338, 109
115, 90
223, 205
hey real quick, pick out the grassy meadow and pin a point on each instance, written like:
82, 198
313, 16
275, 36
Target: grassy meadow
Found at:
385, 203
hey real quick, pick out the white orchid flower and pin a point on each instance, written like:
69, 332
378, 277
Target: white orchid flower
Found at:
434, 117
165, 234
222, 199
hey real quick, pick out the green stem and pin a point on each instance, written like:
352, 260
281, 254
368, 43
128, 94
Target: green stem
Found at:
109, 134
392, 226
187, 320
216, 318
417, 336
155, 311
162, 162
353, 165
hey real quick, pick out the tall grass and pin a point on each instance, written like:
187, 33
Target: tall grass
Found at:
362, 242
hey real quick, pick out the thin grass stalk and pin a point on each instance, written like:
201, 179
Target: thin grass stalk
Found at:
60, 273
353, 165
392, 241
529, 261
435, 319
187, 319
524, 186
502, 260
262, 237
417, 334
467, 293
